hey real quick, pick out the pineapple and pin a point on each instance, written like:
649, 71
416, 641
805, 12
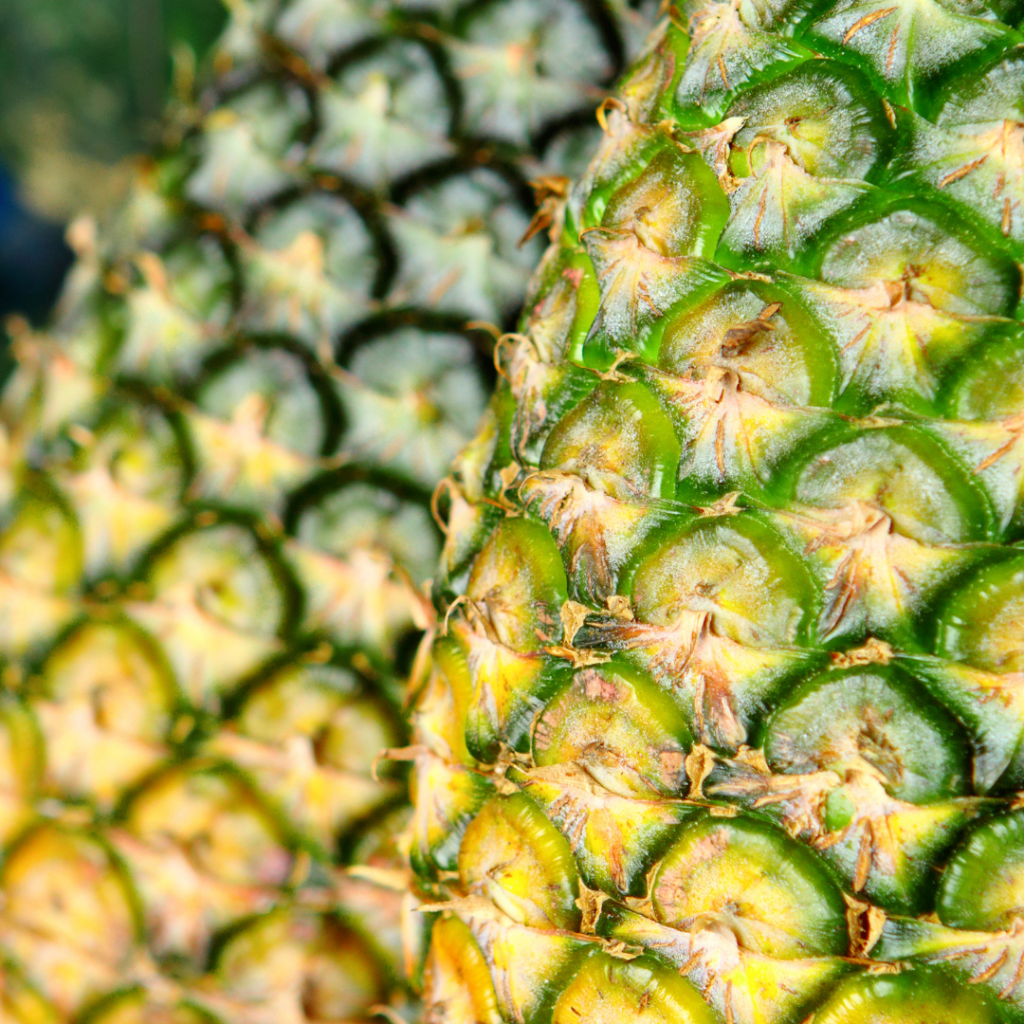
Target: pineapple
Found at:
215, 481
725, 719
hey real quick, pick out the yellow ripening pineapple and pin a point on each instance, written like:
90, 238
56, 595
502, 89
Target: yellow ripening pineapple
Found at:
725, 720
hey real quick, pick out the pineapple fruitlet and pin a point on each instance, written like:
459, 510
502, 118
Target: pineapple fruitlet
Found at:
217, 469
725, 720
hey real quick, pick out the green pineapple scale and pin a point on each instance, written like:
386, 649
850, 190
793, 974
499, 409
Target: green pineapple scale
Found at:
725, 719
215, 478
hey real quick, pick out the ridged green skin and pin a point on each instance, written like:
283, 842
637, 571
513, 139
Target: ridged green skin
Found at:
217, 471
725, 719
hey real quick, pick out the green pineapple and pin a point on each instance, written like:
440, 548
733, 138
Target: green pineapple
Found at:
215, 489
725, 720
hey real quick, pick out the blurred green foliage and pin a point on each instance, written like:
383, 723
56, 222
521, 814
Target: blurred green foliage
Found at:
83, 84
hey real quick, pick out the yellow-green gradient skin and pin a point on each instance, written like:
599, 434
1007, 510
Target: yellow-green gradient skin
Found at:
725, 719
215, 478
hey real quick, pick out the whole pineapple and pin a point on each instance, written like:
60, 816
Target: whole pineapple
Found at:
215, 495
725, 721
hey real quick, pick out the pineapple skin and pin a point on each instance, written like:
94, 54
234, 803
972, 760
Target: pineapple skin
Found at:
215, 478
724, 720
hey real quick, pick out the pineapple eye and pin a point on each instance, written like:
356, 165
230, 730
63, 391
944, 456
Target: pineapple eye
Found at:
612, 742
982, 887
720, 605
244, 153
608, 991
626, 732
732, 569
901, 476
600, 472
674, 206
732, 47
517, 586
801, 152
983, 624
524, 42
331, 970
759, 332
619, 441
921, 995
904, 299
908, 47
221, 569
878, 724
257, 431
68, 896
952, 273
513, 855
307, 738
753, 884
307, 278
992, 387
823, 113
217, 608
175, 315
511, 613
115, 670
384, 117
745, 377
885, 517
456, 975
973, 154
411, 401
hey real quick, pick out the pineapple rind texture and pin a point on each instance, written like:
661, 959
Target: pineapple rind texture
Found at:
215, 478
724, 719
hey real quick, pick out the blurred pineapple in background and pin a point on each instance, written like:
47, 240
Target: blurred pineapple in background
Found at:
215, 496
